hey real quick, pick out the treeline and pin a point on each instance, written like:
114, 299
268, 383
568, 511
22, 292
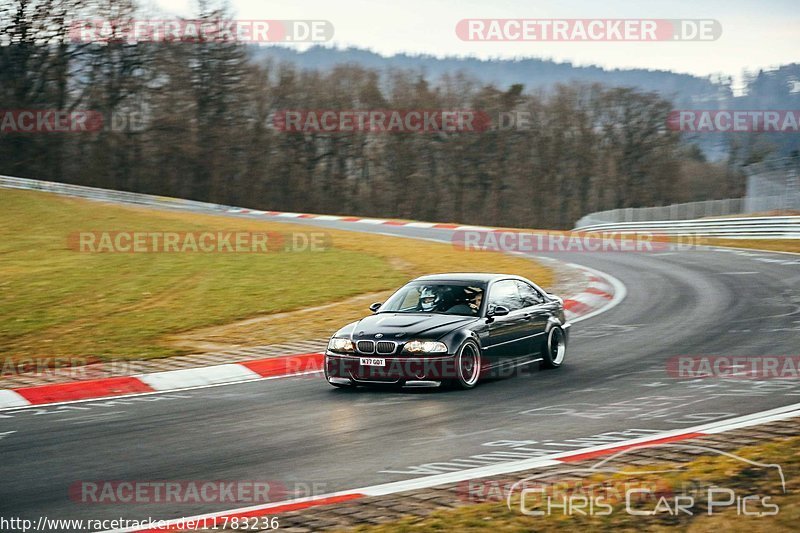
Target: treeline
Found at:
196, 120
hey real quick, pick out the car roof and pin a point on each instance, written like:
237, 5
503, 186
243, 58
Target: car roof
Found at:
480, 277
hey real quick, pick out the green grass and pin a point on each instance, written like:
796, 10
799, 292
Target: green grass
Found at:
55, 301
58, 302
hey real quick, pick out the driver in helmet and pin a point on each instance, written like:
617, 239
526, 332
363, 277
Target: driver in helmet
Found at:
429, 299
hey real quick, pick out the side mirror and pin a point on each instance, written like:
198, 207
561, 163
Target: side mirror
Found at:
497, 310
374, 307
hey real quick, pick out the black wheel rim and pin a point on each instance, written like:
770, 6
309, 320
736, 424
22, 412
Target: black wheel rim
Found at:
557, 346
469, 364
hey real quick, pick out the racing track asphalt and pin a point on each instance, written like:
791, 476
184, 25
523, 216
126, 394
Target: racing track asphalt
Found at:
301, 430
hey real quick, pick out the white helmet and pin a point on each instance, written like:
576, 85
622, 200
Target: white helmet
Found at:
428, 299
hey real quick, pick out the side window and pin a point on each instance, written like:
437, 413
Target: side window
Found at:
505, 293
528, 294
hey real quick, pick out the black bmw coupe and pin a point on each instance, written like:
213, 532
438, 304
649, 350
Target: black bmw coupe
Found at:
450, 328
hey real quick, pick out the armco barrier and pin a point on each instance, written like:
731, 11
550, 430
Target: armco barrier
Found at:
109, 195
729, 228
684, 211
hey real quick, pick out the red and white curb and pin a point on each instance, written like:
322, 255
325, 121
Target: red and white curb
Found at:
172, 380
371, 221
603, 292
359, 220
510, 467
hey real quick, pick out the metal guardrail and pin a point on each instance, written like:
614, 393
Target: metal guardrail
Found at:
787, 227
685, 211
107, 195
772, 185
736, 228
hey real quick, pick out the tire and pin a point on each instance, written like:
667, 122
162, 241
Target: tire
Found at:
468, 365
556, 349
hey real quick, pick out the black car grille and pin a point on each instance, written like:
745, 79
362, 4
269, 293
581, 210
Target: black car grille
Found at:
385, 347
380, 347
366, 346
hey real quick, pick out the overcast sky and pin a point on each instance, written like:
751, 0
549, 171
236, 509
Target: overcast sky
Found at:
755, 34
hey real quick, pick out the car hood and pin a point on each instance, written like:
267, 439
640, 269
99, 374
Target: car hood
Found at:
405, 326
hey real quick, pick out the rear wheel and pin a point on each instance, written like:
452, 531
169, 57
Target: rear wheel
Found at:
468, 365
553, 356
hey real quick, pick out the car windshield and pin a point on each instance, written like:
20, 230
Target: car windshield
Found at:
447, 298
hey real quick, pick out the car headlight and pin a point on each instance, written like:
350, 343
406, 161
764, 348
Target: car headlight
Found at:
337, 344
426, 347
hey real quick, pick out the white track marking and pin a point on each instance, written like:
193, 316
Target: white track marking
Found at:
473, 228
779, 413
751, 250
420, 224
11, 399
193, 377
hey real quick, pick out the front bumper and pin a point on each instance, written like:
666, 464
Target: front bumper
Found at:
339, 367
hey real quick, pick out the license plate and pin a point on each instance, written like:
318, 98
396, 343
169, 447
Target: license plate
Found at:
372, 361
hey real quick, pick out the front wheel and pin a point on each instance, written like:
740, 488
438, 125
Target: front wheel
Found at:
556, 349
468, 365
